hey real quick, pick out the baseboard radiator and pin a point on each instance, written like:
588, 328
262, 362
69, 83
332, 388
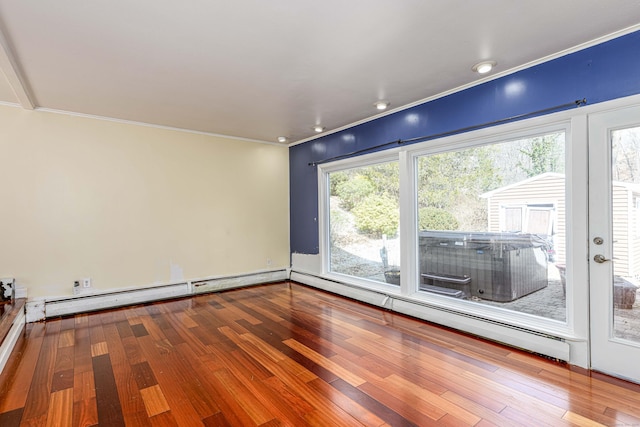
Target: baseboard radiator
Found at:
55, 307
533, 341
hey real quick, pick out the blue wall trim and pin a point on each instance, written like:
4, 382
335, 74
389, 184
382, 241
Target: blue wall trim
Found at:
600, 73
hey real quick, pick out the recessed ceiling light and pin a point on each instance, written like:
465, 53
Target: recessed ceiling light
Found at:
318, 128
282, 139
484, 67
381, 105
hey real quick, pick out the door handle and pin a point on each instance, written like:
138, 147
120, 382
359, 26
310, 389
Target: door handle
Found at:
600, 258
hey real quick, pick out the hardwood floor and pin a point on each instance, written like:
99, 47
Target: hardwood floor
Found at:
286, 354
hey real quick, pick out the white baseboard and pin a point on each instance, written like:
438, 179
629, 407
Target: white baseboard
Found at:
10, 340
40, 309
221, 283
92, 302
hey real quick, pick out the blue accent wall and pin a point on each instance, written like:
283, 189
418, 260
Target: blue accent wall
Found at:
600, 73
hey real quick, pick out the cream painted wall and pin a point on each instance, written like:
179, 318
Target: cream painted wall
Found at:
130, 205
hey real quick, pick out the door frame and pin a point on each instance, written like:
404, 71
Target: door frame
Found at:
608, 354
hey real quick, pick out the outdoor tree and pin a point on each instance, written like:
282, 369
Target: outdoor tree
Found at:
444, 178
354, 190
625, 155
371, 194
453, 182
431, 218
385, 178
542, 154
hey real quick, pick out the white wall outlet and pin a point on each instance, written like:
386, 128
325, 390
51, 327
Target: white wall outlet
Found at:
269, 262
86, 282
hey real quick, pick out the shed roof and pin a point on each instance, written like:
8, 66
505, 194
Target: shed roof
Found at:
542, 176
635, 188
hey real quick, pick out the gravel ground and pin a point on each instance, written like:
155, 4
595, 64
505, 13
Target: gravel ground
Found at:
547, 302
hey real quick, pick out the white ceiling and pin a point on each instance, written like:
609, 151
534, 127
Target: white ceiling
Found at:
261, 69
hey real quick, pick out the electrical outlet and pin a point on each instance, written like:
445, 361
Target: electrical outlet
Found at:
86, 282
76, 287
269, 262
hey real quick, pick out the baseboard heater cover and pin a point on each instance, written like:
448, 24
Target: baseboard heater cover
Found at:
131, 296
514, 336
11, 338
238, 281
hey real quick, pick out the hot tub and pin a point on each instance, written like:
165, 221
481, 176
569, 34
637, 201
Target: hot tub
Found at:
493, 266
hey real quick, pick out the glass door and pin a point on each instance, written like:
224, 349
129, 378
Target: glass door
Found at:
614, 228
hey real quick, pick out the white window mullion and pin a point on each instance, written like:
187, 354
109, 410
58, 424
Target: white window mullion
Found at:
408, 225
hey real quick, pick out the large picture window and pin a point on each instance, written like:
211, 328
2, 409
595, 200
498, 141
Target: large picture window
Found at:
364, 222
491, 225
484, 224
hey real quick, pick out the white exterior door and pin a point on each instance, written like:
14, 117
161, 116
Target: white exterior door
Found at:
614, 241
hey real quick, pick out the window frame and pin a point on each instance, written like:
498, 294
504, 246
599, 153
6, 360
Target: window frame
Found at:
324, 170
407, 157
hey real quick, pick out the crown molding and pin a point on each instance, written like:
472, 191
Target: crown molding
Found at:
11, 69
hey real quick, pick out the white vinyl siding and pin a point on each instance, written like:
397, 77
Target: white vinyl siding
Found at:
545, 189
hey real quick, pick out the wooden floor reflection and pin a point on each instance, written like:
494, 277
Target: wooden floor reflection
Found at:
286, 354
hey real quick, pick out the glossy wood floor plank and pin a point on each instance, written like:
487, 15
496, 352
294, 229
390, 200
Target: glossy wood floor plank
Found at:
38, 396
16, 378
286, 354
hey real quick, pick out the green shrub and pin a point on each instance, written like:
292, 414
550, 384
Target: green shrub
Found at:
353, 191
377, 215
431, 218
336, 178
